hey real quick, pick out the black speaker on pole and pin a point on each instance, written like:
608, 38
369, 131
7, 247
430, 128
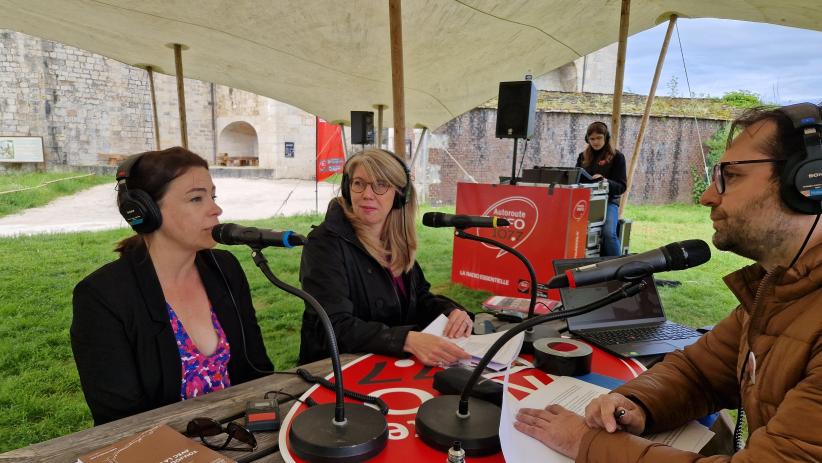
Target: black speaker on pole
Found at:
362, 127
516, 107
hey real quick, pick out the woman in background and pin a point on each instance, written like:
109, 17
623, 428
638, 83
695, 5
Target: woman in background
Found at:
605, 163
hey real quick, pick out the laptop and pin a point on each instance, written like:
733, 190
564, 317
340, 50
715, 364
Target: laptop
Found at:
631, 327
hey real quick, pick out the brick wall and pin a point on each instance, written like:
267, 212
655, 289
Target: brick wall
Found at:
670, 150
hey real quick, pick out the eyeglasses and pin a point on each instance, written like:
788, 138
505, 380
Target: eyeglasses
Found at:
379, 187
207, 427
719, 170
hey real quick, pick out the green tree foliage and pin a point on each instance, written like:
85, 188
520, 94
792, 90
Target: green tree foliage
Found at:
742, 99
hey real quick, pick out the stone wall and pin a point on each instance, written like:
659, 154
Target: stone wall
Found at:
670, 151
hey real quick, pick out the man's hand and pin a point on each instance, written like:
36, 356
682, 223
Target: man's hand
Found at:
556, 427
459, 325
433, 350
600, 414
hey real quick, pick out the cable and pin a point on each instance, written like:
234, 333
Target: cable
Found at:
309, 402
690, 95
805, 243
307, 376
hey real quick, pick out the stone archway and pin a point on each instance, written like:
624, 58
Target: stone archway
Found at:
238, 145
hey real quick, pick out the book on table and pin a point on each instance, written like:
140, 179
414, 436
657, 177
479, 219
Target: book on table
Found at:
158, 444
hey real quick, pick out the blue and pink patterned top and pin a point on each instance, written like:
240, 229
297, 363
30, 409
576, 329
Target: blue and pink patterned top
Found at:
201, 374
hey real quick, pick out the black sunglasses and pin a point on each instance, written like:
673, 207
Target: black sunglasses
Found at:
719, 170
207, 427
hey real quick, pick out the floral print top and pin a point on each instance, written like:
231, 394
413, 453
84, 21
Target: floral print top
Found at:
201, 373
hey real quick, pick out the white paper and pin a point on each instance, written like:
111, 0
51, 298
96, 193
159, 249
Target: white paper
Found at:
574, 395
478, 344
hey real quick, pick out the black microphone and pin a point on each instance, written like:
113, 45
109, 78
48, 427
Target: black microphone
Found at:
257, 238
440, 219
674, 256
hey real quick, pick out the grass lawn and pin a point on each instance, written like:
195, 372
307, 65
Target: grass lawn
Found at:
17, 201
40, 396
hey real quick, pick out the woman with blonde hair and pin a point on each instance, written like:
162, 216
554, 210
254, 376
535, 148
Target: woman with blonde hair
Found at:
360, 265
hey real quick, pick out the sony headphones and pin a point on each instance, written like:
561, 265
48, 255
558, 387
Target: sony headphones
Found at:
604, 126
400, 199
801, 179
136, 206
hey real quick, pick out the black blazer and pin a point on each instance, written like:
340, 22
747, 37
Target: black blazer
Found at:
358, 293
124, 345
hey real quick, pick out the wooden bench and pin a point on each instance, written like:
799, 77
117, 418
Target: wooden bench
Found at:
111, 159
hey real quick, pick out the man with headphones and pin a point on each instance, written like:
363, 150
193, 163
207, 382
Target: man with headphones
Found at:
765, 358
360, 265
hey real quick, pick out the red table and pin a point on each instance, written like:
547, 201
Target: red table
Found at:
405, 383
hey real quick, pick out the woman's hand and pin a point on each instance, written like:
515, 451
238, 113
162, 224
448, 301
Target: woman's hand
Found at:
433, 350
600, 414
459, 325
597, 176
556, 427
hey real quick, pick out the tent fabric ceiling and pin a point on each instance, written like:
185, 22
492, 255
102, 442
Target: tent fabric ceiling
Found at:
329, 57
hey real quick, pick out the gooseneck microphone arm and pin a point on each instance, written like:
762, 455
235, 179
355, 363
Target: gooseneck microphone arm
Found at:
626, 290
262, 263
531, 273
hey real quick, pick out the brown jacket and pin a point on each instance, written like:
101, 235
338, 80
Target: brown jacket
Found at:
782, 326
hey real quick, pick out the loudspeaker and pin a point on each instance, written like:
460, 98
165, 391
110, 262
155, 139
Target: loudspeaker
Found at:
136, 206
801, 182
362, 127
516, 106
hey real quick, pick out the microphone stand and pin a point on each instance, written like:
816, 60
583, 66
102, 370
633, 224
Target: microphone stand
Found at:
478, 429
324, 432
535, 332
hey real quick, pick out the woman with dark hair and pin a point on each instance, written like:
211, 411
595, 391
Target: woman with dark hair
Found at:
605, 163
170, 319
360, 265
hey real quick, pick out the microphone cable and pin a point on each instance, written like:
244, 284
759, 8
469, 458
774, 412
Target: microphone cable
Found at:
376, 401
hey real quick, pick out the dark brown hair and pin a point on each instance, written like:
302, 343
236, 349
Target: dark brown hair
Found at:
786, 142
152, 174
608, 150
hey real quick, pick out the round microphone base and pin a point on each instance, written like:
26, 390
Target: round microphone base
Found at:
314, 436
439, 426
544, 330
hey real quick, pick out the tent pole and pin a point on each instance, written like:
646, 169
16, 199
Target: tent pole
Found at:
150, 71
645, 115
397, 79
181, 93
380, 109
624, 18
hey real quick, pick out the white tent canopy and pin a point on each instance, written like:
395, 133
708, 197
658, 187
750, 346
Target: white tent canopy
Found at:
330, 57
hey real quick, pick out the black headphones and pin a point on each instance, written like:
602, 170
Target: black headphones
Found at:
400, 199
136, 206
801, 179
604, 126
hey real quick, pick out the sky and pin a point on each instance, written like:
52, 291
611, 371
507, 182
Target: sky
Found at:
783, 65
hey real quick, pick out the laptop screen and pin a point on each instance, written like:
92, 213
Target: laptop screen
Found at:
642, 308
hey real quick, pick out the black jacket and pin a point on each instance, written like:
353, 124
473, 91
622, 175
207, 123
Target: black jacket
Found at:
614, 172
358, 294
124, 345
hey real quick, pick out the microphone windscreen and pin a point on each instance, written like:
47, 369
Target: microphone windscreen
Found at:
688, 253
431, 219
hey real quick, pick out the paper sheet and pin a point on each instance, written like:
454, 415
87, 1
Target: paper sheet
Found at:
478, 344
574, 395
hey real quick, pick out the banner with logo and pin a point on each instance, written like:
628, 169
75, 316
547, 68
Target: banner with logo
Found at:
330, 153
547, 223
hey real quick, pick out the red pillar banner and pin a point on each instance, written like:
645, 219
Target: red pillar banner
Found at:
330, 153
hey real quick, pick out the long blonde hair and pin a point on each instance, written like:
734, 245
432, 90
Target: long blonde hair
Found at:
397, 246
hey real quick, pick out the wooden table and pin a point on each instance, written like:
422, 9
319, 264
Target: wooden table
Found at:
223, 406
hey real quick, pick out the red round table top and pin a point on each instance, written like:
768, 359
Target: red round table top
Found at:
404, 384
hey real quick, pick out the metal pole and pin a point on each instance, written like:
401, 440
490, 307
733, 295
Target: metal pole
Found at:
181, 93
397, 79
645, 115
150, 71
624, 18
316, 164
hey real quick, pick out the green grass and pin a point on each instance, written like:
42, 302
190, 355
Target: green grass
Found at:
17, 201
40, 396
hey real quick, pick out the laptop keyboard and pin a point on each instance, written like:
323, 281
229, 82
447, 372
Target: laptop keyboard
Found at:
667, 331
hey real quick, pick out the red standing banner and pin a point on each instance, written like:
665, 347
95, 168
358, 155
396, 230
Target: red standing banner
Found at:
330, 153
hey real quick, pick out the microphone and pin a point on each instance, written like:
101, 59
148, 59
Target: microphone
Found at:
674, 256
257, 238
440, 219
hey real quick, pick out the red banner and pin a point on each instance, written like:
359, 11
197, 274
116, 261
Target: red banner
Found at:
330, 153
